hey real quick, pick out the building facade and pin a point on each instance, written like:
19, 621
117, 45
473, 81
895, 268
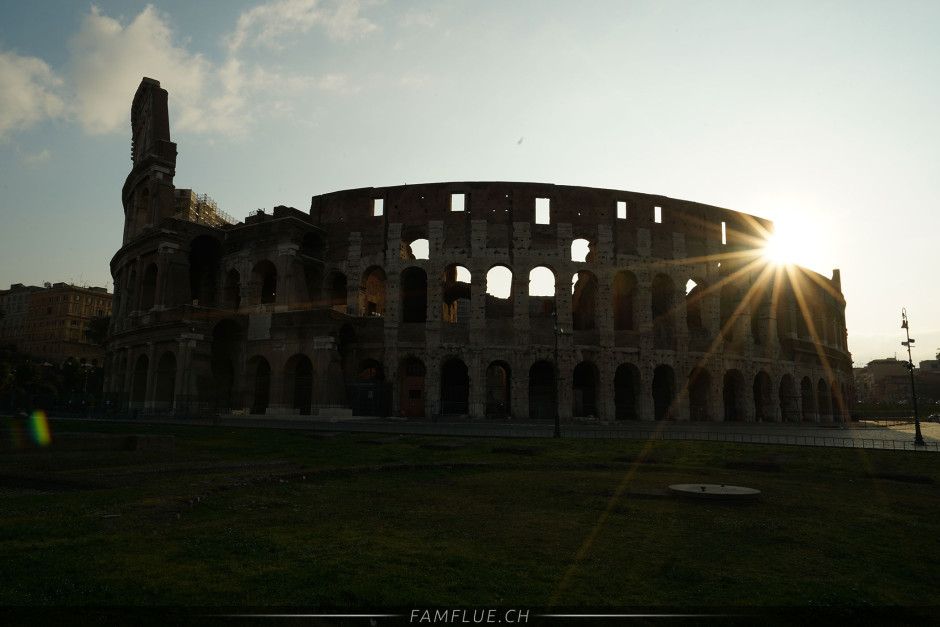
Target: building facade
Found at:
58, 321
480, 299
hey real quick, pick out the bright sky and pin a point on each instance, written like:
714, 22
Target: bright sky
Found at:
821, 116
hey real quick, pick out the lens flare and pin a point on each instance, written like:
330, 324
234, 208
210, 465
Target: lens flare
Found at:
39, 426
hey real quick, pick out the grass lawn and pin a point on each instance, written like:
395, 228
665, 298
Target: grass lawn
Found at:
251, 518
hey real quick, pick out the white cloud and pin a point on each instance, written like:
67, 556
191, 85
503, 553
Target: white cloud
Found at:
29, 93
36, 159
268, 24
108, 61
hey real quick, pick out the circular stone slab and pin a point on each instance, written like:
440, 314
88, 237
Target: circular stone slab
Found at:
714, 491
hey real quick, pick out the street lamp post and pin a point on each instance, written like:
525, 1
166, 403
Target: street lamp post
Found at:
918, 437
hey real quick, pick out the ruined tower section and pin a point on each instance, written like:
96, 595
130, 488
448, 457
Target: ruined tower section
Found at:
148, 190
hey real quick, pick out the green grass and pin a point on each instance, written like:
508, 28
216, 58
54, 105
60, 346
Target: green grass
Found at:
346, 522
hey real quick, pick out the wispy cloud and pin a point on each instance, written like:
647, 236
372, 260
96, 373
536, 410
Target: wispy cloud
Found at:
29, 93
268, 24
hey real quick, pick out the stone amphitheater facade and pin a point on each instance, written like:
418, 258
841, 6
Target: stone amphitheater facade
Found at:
486, 300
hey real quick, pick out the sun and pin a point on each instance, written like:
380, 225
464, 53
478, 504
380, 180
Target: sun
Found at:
779, 250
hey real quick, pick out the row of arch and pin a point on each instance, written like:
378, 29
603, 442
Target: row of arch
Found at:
299, 387
707, 303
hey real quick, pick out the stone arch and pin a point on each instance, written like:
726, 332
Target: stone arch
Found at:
148, 288
298, 381
699, 384
809, 400
499, 292
455, 387
584, 301
227, 338
264, 275
584, 384
411, 377
164, 393
662, 305
763, 398
623, 296
728, 303
627, 386
789, 400
336, 291
368, 393
543, 396
205, 257
312, 246
582, 250
139, 382
259, 378
414, 295
455, 294
542, 282
696, 314
823, 402
664, 392
734, 397
415, 245
231, 292
498, 390
372, 292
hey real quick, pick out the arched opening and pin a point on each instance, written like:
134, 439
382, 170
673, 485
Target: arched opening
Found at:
695, 316
789, 400
626, 391
336, 291
148, 288
259, 373
498, 388
664, 392
582, 250
455, 388
414, 295
165, 384
499, 293
264, 275
312, 246
809, 400
231, 293
664, 336
583, 300
412, 388
543, 400
372, 292
584, 390
760, 317
624, 289
823, 401
415, 247
541, 281
298, 379
226, 340
728, 305
763, 397
699, 384
455, 295
139, 382
733, 396
205, 255
368, 393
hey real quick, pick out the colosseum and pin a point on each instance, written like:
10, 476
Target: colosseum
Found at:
477, 300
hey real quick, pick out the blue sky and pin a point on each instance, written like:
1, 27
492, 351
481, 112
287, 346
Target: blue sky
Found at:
818, 115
